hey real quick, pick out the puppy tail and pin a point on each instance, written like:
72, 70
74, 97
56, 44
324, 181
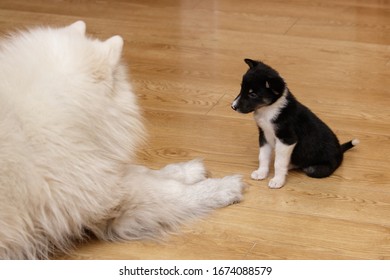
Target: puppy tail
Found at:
348, 145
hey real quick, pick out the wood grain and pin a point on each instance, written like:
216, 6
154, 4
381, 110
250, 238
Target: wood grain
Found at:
186, 63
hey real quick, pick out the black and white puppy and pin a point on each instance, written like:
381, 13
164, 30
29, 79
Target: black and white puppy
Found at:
300, 139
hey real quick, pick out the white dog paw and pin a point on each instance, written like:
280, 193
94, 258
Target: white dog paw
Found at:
259, 174
189, 172
215, 193
230, 190
276, 183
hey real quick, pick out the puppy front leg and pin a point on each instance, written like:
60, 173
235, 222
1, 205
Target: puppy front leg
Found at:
282, 160
265, 153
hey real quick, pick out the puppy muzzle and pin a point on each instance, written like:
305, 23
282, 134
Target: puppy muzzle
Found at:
235, 103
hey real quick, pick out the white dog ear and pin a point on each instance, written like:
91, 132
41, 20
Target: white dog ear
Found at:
78, 26
114, 46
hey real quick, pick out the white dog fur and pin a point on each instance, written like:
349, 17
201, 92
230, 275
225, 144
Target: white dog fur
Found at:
69, 129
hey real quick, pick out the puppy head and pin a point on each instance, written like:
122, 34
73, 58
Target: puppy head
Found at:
261, 86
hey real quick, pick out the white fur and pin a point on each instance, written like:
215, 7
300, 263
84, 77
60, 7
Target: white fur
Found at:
69, 129
355, 142
282, 160
264, 117
235, 101
265, 153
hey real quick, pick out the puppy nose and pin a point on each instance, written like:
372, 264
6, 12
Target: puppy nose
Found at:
234, 107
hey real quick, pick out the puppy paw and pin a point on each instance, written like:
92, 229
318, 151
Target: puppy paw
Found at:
259, 174
276, 183
189, 172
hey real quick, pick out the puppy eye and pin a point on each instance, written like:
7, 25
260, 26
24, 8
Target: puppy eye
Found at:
252, 94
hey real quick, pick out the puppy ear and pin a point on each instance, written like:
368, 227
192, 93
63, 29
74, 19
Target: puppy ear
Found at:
276, 84
251, 63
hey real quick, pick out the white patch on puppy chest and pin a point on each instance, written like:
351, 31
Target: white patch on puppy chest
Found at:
264, 117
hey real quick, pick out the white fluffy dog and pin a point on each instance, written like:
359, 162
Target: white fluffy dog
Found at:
69, 128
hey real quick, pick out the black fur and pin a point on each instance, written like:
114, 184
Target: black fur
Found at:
317, 152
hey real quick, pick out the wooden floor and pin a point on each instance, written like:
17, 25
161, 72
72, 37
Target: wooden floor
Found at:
186, 63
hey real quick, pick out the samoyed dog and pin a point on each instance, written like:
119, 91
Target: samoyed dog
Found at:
69, 130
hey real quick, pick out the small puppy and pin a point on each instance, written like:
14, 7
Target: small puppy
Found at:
300, 139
